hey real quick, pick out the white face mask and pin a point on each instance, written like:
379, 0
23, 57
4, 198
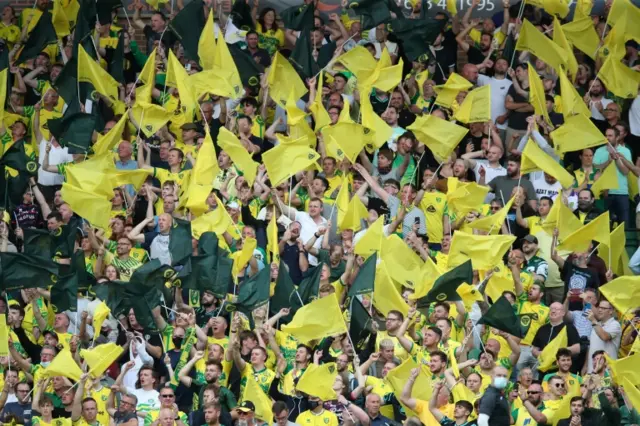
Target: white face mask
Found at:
45, 364
500, 382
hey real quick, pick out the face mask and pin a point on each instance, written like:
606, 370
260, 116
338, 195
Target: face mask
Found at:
313, 405
500, 382
177, 342
45, 364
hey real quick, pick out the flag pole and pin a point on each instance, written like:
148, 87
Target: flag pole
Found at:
126, 15
504, 204
520, 13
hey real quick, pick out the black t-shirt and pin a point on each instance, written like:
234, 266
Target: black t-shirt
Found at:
169, 37
518, 120
262, 57
576, 281
445, 62
495, 405
119, 417
406, 118
475, 55
476, 141
547, 333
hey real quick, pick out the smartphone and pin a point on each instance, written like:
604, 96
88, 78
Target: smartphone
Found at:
586, 309
188, 67
416, 221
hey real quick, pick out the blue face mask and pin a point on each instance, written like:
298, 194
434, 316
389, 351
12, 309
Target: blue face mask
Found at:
500, 382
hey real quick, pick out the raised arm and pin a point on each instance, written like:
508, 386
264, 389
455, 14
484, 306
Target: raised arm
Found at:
405, 396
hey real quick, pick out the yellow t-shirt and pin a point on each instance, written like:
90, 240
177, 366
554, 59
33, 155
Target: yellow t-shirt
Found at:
398, 350
101, 395
263, 377
434, 205
531, 316
535, 224
324, 418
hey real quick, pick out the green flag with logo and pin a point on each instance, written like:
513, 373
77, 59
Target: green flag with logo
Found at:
502, 316
283, 295
298, 18
19, 270
188, 25
42, 35
74, 131
363, 284
64, 293
416, 35
372, 12
360, 325
446, 285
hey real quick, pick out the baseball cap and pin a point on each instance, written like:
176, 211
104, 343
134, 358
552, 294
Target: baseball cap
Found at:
233, 205
189, 126
246, 406
531, 239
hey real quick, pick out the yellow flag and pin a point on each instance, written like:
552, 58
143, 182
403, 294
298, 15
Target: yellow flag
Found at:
196, 198
89, 71
177, 77
316, 320
452, 7
95, 182
625, 368
632, 392
353, 216
561, 217
403, 264
100, 313
421, 77
476, 106
534, 159
272, 235
317, 380
618, 242
469, 295
577, 133
494, 221
386, 296
542, 47
449, 90
94, 208
621, 9
26, 14
217, 221
241, 258
207, 44
485, 251
581, 33
561, 40
556, 7
113, 137
579, 241
101, 357
253, 392
3, 92
564, 408
349, 139
607, 180
619, 79
422, 388
429, 275
372, 239
60, 20
462, 393
134, 178
537, 95
583, 9
225, 66
155, 4
206, 168
4, 336
320, 114
441, 136
385, 76
359, 61
451, 353
572, 102
466, 197
64, 365
294, 114
150, 117
285, 161
379, 131
547, 358
283, 79
148, 73
239, 155
623, 293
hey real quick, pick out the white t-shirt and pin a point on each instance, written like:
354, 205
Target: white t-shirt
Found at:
594, 111
160, 249
57, 155
544, 189
310, 227
147, 401
634, 116
499, 89
490, 172
611, 347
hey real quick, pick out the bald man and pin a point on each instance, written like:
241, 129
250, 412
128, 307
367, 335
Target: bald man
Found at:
494, 405
549, 331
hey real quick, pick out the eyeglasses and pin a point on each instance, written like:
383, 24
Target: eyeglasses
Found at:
533, 393
560, 385
169, 395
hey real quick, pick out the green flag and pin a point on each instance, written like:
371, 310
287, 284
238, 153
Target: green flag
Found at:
143, 291
325, 54
241, 16
74, 131
502, 316
64, 293
18, 271
298, 18
446, 285
180, 242
220, 287
309, 287
203, 266
112, 293
83, 32
509, 48
284, 293
12, 188
66, 84
363, 284
104, 10
301, 57
16, 158
57, 243
416, 35
116, 66
248, 68
372, 12
360, 325
188, 25
42, 35
254, 292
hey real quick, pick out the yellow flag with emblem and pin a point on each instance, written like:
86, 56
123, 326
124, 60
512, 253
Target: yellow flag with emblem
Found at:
469, 295
493, 221
178, 77
113, 137
89, 71
534, 159
376, 130
542, 47
623, 293
316, 320
476, 107
441, 136
239, 155
253, 392
149, 117
404, 265
92, 207
580, 240
547, 358
348, 139
241, 258
607, 180
577, 133
283, 79
101, 357
317, 380
100, 313
64, 365
284, 161
359, 61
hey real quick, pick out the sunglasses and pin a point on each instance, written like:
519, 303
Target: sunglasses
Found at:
560, 385
167, 396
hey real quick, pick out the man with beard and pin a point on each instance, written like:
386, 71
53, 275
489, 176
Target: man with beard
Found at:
477, 55
210, 396
21, 409
485, 170
534, 264
518, 106
587, 211
406, 117
521, 415
125, 415
212, 373
503, 186
207, 311
596, 101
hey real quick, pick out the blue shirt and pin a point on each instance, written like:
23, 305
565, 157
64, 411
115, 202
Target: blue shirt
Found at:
602, 156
